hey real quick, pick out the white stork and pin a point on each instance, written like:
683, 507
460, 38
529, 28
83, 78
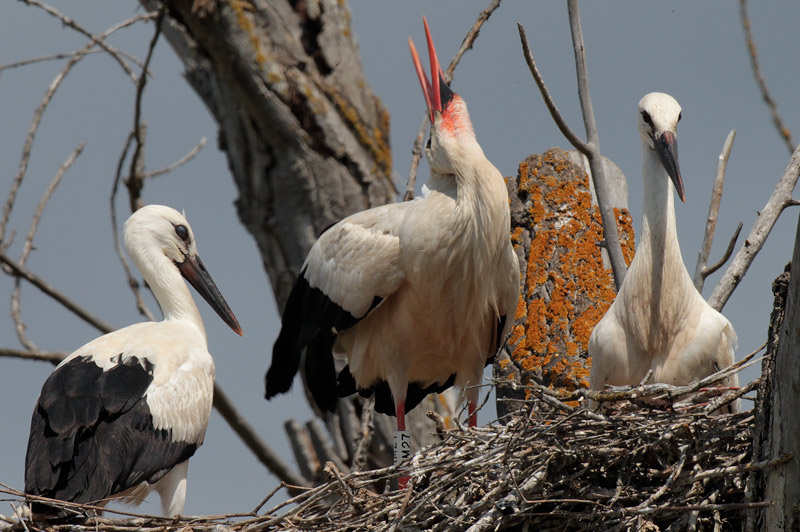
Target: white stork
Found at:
418, 296
659, 320
121, 416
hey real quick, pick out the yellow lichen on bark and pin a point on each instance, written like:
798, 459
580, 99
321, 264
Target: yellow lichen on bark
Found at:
566, 289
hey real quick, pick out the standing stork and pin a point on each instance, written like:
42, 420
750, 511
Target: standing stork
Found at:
121, 416
414, 295
659, 321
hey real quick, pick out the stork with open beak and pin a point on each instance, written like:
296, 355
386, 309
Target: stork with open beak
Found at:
659, 320
417, 295
121, 416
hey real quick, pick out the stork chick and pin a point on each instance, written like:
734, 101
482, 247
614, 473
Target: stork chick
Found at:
416, 295
659, 321
121, 416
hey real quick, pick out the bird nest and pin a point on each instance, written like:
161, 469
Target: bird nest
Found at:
658, 461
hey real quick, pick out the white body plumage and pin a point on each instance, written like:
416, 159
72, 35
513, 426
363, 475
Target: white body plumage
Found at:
659, 321
121, 416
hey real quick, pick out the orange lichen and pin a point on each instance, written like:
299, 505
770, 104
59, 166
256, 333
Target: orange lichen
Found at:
566, 289
246, 25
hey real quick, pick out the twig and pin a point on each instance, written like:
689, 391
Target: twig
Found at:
466, 44
134, 182
55, 358
52, 57
97, 40
180, 162
37, 117
663, 489
16, 304
783, 131
133, 283
45, 287
708, 270
570, 135
713, 212
780, 199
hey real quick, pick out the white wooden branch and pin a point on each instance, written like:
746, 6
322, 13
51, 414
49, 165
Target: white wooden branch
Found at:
713, 211
780, 199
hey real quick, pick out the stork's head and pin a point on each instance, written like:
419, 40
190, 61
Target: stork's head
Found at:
659, 115
159, 239
451, 128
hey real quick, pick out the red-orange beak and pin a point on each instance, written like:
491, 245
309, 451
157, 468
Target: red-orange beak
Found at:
435, 90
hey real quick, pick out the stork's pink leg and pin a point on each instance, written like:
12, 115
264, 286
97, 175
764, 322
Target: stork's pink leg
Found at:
473, 414
402, 441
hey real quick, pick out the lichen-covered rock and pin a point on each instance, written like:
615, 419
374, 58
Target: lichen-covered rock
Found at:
564, 289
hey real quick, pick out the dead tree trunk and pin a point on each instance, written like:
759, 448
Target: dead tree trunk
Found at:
778, 430
306, 139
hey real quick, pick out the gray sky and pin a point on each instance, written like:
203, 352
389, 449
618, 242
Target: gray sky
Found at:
693, 50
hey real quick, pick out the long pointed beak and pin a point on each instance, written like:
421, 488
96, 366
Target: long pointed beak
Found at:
435, 90
667, 149
195, 272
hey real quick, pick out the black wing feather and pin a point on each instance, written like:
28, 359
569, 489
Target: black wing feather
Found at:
92, 433
310, 322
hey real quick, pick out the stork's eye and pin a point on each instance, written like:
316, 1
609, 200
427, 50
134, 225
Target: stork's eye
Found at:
647, 119
428, 144
182, 232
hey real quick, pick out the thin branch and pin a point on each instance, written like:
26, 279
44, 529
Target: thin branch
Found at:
52, 57
180, 162
134, 182
96, 40
570, 135
253, 441
783, 131
43, 356
728, 252
45, 287
713, 211
133, 283
16, 305
37, 117
466, 44
781, 198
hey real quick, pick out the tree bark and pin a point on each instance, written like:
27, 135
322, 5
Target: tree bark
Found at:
307, 141
781, 405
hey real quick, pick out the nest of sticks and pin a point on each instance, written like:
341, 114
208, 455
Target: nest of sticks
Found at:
657, 460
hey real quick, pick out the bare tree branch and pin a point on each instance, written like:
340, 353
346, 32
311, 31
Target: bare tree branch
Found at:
37, 117
713, 212
96, 40
253, 441
570, 135
780, 199
466, 44
135, 174
591, 148
52, 57
16, 305
43, 356
708, 270
783, 131
180, 162
45, 287
133, 283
